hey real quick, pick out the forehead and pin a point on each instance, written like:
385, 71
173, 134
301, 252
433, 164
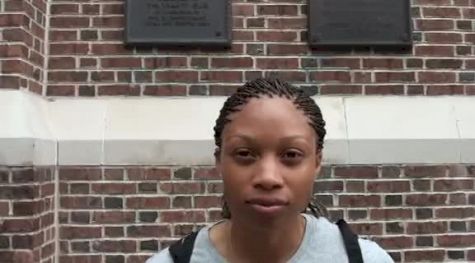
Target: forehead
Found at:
271, 117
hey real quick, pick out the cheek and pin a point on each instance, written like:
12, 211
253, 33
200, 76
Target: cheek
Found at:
302, 183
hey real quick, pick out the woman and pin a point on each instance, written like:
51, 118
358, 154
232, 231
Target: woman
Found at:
269, 139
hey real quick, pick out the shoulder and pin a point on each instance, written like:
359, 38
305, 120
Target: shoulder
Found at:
372, 252
161, 257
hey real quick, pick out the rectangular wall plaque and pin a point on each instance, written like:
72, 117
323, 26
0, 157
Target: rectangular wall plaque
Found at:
360, 23
178, 22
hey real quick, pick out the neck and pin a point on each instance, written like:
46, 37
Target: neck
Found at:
267, 243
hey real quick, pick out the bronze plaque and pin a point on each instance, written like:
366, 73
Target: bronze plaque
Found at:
359, 23
178, 22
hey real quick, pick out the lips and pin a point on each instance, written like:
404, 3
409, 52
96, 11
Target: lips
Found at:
266, 201
267, 206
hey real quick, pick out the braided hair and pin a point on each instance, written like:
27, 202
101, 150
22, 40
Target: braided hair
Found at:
272, 88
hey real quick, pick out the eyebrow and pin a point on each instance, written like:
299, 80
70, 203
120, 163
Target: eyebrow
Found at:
251, 139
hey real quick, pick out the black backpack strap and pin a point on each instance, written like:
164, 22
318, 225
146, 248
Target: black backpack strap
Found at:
182, 249
352, 246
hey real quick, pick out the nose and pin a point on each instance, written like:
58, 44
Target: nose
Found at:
267, 175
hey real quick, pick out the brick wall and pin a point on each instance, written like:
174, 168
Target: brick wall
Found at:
123, 214
27, 216
22, 44
269, 39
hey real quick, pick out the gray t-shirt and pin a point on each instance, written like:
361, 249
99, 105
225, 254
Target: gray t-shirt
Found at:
322, 242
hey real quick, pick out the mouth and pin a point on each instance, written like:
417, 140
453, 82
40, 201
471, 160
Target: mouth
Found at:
267, 206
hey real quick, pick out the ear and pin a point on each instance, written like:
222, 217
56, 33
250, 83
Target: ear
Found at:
318, 162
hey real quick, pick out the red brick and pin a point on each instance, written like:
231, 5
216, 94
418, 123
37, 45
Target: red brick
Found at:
287, 23
113, 8
367, 229
148, 174
426, 227
165, 90
165, 62
114, 188
328, 186
395, 242
439, 12
80, 259
239, 35
121, 62
277, 36
215, 188
109, 49
287, 49
12, 20
383, 63
434, 24
19, 192
384, 89
20, 225
390, 214
69, 22
426, 199
61, 63
108, 21
355, 186
122, 246
208, 201
432, 255
148, 202
61, 9
183, 188
434, 51
243, 10
341, 89
221, 76
357, 172
113, 217
296, 76
277, 63
148, 231
453, 185
80, 232
456, 240
343, 63
4, 209
90, 9
182, 216
177, 76
455, 212
233, 62
9, 82
60, 90
388, 186
278, 10
119, 90
27, 208
443, 38
331, 76
395, 76
425, 171
359, 200
79, 174
80, 202
207, 174
436, 77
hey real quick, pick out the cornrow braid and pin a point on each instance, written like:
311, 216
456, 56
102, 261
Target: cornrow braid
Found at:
269, 88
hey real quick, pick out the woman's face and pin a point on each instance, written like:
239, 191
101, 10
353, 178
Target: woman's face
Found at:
268, 161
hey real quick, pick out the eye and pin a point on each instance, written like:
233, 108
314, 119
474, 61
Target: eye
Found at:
244, 155
292, 156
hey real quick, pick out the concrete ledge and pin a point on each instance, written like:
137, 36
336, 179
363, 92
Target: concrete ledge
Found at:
178, 131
